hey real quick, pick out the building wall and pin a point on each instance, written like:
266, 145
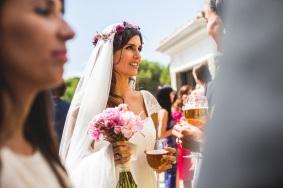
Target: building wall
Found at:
189, 49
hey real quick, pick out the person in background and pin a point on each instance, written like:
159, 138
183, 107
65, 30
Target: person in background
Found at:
192, 137
202, 77
32, 54
184, 164
165, 97
184, 92
176, 110
61, 108
244, 143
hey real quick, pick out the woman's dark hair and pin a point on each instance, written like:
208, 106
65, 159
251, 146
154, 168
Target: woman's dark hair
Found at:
59, 91
120, 40
163, 98
40, 133
203, 73
38, 129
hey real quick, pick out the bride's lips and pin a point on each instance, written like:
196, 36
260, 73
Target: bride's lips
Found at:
135, 65
60, 55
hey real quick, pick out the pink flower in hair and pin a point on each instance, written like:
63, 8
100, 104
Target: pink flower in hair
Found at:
120, 28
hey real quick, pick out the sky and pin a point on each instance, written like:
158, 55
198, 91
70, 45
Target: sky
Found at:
156, 18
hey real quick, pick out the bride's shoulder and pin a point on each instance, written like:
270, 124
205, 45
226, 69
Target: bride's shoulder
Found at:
146, 94
150, 102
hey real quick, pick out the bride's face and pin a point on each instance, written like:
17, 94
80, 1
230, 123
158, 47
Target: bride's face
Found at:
33, 36
127, 60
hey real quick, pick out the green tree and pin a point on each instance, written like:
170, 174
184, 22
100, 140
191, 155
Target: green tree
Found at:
165, 78
151, 75
71, 84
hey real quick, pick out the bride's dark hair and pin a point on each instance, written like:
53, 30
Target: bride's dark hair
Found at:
120, 40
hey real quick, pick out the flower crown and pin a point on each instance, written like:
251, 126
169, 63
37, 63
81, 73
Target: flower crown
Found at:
118, 29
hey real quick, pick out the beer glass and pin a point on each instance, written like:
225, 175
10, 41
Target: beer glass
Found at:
196, 114
196, 111
154, 157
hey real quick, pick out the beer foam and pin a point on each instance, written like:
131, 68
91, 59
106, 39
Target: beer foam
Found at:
157, 152
196, 102
194, 107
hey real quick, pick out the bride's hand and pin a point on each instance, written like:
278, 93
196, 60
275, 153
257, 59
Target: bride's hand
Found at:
122, 152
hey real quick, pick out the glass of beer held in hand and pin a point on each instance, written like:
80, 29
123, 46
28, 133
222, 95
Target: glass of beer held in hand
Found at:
196, 111
196, 114
155, 157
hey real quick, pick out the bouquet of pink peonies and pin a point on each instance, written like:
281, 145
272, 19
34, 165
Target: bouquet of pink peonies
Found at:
117, 124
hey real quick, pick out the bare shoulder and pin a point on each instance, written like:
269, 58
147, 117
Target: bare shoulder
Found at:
162, 112
136, 103
137, 95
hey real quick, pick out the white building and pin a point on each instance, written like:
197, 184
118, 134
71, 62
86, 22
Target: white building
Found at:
188, 46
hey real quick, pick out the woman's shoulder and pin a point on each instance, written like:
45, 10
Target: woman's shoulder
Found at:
151, 103
146, 93
163, 112
147, 96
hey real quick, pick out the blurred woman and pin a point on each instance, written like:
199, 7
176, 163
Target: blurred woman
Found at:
202, 76
165, 97
32, 53
184, 164
184, 92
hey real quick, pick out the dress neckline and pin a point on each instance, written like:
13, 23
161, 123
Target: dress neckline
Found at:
10, 152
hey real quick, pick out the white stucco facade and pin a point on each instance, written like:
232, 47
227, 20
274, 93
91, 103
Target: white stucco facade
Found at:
188, 46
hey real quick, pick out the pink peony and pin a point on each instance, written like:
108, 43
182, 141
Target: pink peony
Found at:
115, 123
117, 129
127, 132
122, 107
95, 133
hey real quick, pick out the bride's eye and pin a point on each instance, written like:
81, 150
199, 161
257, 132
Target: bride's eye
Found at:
44, 11
44, 7
130, 48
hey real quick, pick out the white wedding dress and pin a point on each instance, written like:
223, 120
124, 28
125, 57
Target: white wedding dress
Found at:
97, 169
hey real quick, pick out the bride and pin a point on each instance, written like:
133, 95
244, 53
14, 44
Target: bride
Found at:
108, 81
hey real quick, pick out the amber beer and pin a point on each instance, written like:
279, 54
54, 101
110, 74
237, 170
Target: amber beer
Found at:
196, 116
154, 158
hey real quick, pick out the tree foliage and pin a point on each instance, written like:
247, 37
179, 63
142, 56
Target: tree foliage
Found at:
71, 84
151, 75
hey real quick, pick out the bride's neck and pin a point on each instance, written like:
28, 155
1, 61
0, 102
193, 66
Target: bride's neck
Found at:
122, 87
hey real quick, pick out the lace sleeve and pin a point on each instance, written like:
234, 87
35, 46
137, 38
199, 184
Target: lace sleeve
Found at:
151, 104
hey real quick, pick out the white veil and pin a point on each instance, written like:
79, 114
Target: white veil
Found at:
90, 99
